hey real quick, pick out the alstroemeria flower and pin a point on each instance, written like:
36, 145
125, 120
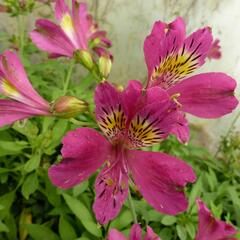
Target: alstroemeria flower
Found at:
171, 57
25, 101
129, 119
76, 31
211, 228
215, 52
135, 234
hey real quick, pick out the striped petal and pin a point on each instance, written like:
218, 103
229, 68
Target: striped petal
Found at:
109, 111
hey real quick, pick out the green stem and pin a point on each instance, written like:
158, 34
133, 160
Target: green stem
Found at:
21, 32
229, 131
132, 208
80, 123
68, 77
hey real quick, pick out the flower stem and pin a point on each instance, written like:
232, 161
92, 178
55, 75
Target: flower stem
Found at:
68, 77
132, 208
229, 131
21, 32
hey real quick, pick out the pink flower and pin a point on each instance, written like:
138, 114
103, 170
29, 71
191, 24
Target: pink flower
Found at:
171, 57
46, 1
135, 234
215, 52
129, 119
212, 228
76, 31
25, 101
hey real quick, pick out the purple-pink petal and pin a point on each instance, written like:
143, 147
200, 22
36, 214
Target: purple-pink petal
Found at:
50, 37
114, 234
109, 111
151, 235
84, 151
180, 128
136, 232
81, 23
207, 95
211, 228
13, 72
161, 178
111, 191
199, 43
215, 51
61, 9
151, 123
164, 39
11, 111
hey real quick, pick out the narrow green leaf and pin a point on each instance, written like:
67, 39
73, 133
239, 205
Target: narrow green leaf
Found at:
6, 203
83, 214
65, 229
30, 185
196, 192
32, 163
80, 188
40, 232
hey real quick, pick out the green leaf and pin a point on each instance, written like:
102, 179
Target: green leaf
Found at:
166, 234
12, 148
83, 214
6, 202
32, 163
196, 192
66, 230
80, 188
3, 227
40, 232
154, 216
29, 129
168, 220
124, 219
181, 231
190, 229
236, 202
12, 226
51, 193
30, 185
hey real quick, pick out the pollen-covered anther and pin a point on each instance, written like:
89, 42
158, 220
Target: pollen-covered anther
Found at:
123, 185
167, 28
108, 163
109, 181
175, 97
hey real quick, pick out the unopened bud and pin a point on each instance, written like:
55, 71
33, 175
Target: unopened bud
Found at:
105, 65
85, 58
25, 218
68, 107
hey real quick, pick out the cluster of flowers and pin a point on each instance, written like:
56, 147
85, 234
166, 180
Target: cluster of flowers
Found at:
138, 116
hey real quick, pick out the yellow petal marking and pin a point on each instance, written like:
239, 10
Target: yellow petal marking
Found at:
8, 88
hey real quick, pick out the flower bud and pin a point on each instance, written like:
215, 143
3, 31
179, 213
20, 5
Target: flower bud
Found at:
104, 66
68, 107
25, 218
85, 58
